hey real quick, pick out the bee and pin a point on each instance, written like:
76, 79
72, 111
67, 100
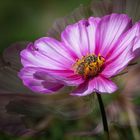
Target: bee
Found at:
90, 59
81, 68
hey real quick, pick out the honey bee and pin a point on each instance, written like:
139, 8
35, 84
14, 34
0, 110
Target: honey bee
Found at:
89, 66
90, 58
80, 68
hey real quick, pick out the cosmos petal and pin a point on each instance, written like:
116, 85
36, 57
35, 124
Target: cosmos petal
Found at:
136, 47
136, 43
80, 37
91, 33
109, 30
48, 53
120, 63
46, 85
65, 77
99, 84
122, 54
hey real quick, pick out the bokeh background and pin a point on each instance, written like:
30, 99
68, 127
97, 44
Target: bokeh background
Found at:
26, 20
58, 117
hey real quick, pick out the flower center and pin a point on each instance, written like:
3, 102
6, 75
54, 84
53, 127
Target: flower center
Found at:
89, 66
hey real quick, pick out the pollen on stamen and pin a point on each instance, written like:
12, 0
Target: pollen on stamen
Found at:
89, 66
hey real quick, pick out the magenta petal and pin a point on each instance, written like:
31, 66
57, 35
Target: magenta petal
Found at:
80, 37
54, 49
109, 30
47, 85
126, 42
98, 84
120, 63
136, 43
91, 33
122, 54
136, 47
47, 53
66, 77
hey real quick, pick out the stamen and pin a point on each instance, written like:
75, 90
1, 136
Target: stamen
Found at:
89, 66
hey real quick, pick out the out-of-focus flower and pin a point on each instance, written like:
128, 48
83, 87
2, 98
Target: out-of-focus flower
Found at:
89, 54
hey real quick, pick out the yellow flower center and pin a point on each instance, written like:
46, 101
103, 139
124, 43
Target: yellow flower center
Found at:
89, 66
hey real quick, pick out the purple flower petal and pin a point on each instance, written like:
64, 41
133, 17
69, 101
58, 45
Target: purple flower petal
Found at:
91, 29
80, 37
66, 77
47, 85
109, 30
47, 53
33, 76
99, 84
122, 54
136, 47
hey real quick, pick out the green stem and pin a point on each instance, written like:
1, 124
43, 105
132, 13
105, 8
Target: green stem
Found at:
104, 119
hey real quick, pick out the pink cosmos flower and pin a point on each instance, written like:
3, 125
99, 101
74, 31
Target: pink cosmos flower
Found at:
89, 54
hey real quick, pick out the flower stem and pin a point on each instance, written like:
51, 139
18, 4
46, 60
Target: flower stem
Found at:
104, 119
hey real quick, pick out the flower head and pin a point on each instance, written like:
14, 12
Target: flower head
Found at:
90, 53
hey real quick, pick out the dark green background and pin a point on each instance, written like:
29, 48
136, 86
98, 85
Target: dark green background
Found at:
26, 20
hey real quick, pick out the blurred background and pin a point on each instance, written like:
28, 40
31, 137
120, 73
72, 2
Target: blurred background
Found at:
28, 116
26, 20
